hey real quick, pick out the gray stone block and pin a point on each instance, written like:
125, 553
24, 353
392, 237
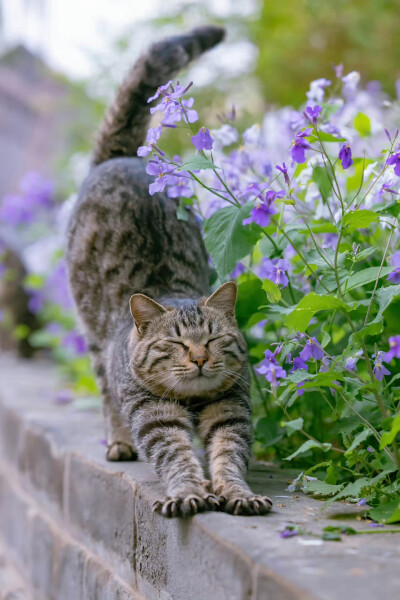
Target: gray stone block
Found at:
11, 425
99, 583
43, 556
42, 463
181, 559
100, 503
69, 572
15, 521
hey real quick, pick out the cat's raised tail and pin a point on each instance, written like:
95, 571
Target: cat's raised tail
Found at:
126, 122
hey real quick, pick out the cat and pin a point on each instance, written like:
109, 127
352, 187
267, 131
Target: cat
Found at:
180, 366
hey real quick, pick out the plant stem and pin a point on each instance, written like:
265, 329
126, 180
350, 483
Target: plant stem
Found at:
312, 272
378, 277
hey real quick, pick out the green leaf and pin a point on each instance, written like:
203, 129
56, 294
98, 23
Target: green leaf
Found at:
315, 258
324, 380
197, 163
321, 488
307, 446
326, 137
182, 212
366, 276
292, 426
362, 124
267, 432
358, 219
355, 488
373, 328
365, 253
227, 240
272, 290
386, 513
359, 438
250, 297
34, 281
385, 297
326, 338
320, 177
388, 436
308, 306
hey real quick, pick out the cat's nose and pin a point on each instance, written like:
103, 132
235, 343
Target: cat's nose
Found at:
199, 359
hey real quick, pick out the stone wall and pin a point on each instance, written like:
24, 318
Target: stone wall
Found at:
74, 527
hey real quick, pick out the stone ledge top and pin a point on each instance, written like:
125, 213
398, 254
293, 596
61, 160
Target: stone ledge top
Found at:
213, 556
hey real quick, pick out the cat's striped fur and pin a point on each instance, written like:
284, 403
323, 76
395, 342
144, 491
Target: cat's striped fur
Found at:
181, 367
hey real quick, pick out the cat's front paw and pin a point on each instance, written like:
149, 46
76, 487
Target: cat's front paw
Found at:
186, 506
120, 451
238, 504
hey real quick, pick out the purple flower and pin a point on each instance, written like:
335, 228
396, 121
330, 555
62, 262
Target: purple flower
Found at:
345, 156
162, 171
386, 187
379, 370
153, 135
190, 115
317, 89
362, 502
312, 113
351, 81
262, 211
64, 397
284, 171
14, 210
298, 363
300, 387
202, 140
57, 289
270, 367
272, 373
394, 276
275, 271
395, 160
394, 348
270, 357
288, 532
180, 186
238, 270
75, 342
351, 362
251, 190
225, 135
160, 90
36, 301
312, 349
173, 109
298, 150
370, 449
339, 70
375, 524
37, 190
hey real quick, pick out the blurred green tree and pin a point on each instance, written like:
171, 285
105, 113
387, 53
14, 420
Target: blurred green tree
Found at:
300, 40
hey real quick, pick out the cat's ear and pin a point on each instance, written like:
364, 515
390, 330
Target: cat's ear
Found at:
224, 298
144, 310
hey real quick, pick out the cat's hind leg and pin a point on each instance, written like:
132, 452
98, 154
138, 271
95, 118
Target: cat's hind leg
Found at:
119, 438
120, 445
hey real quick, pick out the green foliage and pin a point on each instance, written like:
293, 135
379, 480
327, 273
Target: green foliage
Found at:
361, 34
227, 240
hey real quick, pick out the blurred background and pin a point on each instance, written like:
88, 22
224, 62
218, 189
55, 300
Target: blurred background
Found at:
60, 63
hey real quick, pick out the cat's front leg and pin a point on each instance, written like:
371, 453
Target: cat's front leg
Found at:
163, 434
225, 428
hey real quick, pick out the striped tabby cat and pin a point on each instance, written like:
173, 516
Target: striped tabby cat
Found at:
181, 366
